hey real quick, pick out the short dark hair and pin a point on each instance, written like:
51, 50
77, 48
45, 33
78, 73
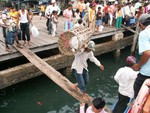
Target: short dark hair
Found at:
99, 7
54, 11
77, 10
80, 21
98, 103
69, 5
8, 4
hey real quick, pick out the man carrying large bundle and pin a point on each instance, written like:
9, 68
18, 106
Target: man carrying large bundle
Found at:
80, 66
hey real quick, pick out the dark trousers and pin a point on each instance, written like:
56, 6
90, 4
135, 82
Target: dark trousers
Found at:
49, 25
138, 83
47, 22
4, 35
121, 105
25, 31
106, 18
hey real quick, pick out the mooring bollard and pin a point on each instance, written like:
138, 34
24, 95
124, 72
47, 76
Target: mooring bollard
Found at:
116, 37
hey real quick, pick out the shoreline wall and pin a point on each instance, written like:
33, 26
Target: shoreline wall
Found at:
27, 71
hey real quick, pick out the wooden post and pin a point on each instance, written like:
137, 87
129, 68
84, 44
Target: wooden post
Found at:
115, 38
136, 34
133, 48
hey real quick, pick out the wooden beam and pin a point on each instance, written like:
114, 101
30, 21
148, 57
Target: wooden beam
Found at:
128, 28
54, 75
133, 48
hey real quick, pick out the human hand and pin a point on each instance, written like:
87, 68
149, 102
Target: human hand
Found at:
7, 27
82, 104
85, 45
136, 67
101, 67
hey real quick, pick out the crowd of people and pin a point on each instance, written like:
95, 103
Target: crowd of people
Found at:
15, 24
95, 14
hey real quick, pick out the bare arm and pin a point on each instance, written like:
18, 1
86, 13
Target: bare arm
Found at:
145, 57
28, 16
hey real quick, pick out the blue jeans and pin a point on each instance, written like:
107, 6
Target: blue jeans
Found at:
82, 79
98, 22
68, 25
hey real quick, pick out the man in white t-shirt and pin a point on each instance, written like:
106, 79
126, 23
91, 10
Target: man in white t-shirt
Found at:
125, 77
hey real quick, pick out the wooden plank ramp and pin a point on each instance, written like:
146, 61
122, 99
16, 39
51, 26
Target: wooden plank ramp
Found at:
54, 75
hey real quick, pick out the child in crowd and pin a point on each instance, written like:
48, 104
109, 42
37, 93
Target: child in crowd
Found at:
98, 105
125, 77
79, 23
98, 19
77, 15
42, 11
140, 11
54, 22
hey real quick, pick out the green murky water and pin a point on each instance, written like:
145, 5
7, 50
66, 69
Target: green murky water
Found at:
41, 95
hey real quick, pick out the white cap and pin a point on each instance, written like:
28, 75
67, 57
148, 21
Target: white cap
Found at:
91, 45
53, 1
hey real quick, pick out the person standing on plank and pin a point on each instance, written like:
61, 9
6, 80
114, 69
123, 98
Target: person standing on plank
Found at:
80, 66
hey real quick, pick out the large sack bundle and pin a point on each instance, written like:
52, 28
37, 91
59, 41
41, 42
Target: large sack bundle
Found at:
72, 40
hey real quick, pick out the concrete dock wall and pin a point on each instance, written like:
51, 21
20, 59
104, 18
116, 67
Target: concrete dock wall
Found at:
23, 72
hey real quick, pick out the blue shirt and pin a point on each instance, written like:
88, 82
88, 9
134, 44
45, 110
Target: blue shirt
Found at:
144, 45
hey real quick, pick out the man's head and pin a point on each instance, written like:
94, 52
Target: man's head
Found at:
23, 6
130, 61
144, 21
8, 5
99, 8
54, 12
80, 21
98, 104
90, 46
70, 6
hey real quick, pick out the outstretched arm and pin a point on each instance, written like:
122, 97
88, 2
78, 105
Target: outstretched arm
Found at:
92, 58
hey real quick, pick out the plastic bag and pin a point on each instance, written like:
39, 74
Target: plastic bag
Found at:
34, 31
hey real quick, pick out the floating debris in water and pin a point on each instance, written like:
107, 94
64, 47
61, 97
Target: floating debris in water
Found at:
39, 103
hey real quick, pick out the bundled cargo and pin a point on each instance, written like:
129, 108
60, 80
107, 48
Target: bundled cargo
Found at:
72, 40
